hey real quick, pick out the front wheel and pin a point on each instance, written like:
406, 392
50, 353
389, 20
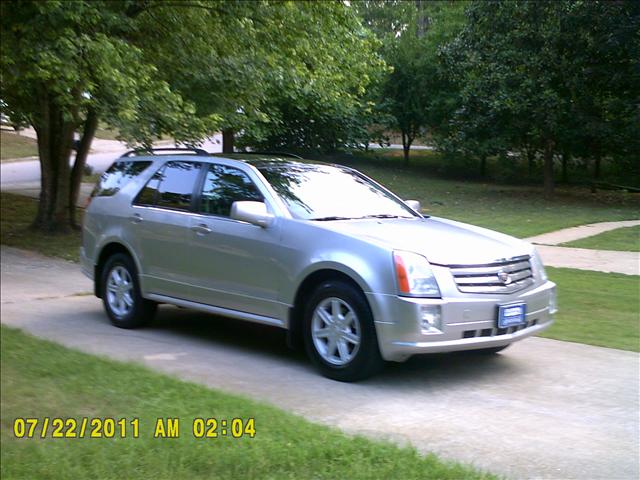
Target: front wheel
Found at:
339, 333
121, 294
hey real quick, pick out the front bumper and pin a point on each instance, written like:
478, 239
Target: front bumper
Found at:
468, 322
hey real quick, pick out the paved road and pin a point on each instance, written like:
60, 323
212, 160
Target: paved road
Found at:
28, 172
543, 408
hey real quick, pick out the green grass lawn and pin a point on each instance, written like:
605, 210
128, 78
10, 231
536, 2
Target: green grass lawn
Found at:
518, 210
597, 308
16, 214
41, 379
16, 146
621, 239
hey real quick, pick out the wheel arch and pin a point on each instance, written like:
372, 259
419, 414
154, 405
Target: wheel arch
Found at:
305, 289
108, 250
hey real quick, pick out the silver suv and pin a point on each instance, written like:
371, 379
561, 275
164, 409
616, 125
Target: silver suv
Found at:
351, 271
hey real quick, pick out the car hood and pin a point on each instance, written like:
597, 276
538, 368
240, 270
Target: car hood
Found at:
441, 241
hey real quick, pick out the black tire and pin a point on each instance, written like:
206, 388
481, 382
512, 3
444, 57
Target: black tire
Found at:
142, 311
367, 360
489, 351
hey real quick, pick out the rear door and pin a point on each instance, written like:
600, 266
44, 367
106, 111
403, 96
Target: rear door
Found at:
160, 222
234, 264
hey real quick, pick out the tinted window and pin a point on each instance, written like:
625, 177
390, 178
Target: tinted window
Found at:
148, 195
324, 192
176, 186
171, 186
117, 176
223, 186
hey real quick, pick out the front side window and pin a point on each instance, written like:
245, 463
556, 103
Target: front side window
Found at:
224, 185
171, 186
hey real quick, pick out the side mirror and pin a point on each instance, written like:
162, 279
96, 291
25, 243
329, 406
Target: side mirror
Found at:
413, 205
252, 212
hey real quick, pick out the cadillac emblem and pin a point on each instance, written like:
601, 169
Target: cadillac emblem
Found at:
504, 277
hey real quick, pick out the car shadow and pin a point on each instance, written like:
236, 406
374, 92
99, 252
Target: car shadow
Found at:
251, 337
256, 339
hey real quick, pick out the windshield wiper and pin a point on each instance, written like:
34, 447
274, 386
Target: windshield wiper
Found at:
384, 215
327, 219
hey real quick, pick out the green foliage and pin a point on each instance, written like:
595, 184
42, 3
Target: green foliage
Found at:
415, 97
72, 56
181, 69
314, 97
549, 77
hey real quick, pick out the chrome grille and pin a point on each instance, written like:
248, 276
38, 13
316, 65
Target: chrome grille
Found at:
501, 276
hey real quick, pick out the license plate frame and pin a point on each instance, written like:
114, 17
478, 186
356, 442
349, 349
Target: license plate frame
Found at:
512, 315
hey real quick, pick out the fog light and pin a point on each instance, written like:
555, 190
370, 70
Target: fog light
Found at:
430, 318
553, 302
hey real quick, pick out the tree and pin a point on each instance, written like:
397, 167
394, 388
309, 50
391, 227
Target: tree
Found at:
416, 95
211, 65
67, 64
319, 101
553, 77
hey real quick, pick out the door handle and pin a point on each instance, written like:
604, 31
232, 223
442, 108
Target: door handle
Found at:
135, 218
201, 229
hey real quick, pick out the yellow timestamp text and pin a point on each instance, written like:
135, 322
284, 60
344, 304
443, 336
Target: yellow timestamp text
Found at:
108, 427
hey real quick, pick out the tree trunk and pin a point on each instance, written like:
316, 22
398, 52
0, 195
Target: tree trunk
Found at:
530, 158
55, 137
549, 184
88, 132
227, 140
596, 166
406, 147
565, 173
483, 166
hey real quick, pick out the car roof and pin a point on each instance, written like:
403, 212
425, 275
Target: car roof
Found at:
257, 160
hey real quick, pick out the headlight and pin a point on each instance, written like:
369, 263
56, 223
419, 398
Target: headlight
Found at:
414, 275
538, 267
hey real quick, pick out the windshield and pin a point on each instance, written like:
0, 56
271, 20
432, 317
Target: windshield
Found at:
325, 192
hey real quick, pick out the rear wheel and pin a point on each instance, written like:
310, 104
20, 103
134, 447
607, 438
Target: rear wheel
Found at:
121, 293
339, 333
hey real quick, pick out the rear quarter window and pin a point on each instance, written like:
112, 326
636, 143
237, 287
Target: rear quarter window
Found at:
117, 176
170, 187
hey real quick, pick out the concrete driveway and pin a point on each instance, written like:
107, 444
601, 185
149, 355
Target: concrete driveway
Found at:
542, 409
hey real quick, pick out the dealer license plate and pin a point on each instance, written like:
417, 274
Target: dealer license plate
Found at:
511, 315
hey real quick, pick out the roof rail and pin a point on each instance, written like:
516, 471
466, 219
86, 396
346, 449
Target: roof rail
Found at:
280, 154
152, 151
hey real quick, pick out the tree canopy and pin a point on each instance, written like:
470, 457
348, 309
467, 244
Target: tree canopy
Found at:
557, 80
183, 69
553, 77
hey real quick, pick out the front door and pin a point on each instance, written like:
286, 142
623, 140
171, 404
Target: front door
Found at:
234, 264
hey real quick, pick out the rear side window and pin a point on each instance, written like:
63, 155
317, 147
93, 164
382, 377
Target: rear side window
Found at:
171, 186
224, 185
117, 176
